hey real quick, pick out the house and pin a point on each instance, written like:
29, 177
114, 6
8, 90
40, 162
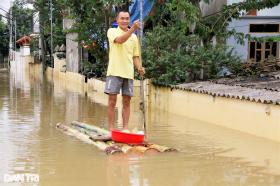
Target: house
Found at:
258, 24
24, 43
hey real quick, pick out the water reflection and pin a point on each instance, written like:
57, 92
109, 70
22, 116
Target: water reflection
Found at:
209, 155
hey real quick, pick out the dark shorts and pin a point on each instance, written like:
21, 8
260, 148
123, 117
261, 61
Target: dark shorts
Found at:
114, 84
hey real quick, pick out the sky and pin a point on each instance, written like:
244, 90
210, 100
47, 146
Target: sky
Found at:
4, 4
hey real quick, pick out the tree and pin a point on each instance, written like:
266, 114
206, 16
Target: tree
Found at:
92, 20
43, 8
175, 53
4, 38
23, 17
177, 43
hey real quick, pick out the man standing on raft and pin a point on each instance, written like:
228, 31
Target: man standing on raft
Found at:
123, 56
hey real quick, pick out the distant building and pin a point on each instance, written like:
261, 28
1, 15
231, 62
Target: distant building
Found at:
263, 23
24, 43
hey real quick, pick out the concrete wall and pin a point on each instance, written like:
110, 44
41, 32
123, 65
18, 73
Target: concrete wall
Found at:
58, 64
72, 53
94, 89
24, 71
242, 26
69, 80
213, 7
72, 48
241, 115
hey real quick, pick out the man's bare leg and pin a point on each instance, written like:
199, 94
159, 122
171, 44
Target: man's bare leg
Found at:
111, 110
125, 110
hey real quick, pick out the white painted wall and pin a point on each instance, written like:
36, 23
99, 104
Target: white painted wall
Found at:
242, 26
26, 50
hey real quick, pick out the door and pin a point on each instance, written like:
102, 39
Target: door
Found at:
260, 51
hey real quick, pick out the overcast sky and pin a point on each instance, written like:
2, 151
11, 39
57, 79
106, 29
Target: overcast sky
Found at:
4, 4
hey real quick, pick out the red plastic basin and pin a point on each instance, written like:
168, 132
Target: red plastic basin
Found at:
124, 137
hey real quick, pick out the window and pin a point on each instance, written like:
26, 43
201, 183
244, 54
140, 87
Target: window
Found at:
258, 51
267, 28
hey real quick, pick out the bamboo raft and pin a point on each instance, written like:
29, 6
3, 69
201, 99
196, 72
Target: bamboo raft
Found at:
101, 139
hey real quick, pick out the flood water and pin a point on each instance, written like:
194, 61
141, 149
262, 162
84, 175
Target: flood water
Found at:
208, 155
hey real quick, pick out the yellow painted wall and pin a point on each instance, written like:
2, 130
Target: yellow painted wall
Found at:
258, 119
69, 80
35, 71
254, 118
58, 63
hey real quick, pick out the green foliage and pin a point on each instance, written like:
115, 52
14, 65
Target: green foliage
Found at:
171, 53
265, 38
96, 69
43, 7
92, 20
4, 38
171, 57
23, 17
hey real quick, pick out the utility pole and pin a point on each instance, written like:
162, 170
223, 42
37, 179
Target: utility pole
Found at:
42, 46
51, 19
15, 47
11, 32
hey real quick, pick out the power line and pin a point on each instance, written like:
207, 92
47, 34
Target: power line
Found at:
4, 16
4, 10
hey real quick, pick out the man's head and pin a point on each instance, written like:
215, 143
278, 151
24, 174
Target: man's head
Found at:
123, 20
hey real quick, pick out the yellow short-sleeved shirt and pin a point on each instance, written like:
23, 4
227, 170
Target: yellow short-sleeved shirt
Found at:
121, 55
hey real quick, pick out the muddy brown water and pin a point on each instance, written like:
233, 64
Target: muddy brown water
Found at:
208, 155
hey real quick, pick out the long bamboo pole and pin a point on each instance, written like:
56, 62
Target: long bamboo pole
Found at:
81, 136
91, 127
142, 103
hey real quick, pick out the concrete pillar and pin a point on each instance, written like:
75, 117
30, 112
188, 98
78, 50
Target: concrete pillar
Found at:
72, 48
72, 53
26, 50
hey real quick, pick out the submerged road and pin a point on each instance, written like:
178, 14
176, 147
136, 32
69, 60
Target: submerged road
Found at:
30, 144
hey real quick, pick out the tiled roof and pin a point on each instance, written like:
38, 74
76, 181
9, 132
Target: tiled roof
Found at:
263, 90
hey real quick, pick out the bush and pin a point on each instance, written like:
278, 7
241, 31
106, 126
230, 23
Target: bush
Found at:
172, 57
95, 69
